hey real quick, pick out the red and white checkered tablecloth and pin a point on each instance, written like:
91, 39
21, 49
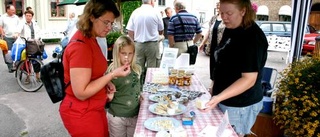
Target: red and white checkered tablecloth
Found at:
201, 120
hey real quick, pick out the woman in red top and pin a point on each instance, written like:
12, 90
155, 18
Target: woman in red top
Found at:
82, 110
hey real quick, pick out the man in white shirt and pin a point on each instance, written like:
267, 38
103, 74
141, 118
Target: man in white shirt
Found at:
9, 24
144, 27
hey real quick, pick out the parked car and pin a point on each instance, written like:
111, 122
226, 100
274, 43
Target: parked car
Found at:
309, 43
278, 28
313, 30
283, 29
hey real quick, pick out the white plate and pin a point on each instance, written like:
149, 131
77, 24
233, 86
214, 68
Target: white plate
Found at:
168, 89
181, 109
158, 123
156, 97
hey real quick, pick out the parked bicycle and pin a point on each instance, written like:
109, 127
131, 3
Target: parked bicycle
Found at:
28, 69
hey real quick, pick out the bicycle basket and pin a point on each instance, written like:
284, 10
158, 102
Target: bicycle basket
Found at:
35, 46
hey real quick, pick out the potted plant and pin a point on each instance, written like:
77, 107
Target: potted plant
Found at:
297, 107
111, 38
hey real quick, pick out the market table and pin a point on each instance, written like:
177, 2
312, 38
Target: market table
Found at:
202, 119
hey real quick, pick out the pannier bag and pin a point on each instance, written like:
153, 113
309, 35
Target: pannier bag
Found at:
35, 47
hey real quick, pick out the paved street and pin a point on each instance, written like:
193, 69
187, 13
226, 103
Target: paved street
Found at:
33, 115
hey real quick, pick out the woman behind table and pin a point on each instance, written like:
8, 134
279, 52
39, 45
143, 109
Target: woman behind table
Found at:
124, 107
237, 64
82, 110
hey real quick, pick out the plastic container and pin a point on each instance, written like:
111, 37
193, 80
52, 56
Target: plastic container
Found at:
267, 105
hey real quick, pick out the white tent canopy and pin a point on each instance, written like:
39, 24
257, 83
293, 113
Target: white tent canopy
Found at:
263, 10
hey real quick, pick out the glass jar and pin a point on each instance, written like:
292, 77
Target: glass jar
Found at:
187, 80
180, 81
172, 79
181, 72
174, 71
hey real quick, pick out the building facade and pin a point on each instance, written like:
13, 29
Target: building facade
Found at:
280, 10
51, 17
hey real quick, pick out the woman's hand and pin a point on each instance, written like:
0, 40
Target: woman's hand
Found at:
211, 104
201, 47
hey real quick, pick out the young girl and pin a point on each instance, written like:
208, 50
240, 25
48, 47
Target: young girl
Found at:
124, 107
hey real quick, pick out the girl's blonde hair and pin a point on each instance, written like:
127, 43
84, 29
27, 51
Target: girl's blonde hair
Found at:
121, 42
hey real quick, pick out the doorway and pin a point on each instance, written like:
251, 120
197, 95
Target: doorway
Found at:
315, 16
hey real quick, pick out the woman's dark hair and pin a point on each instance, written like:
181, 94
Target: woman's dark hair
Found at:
29, 11
28, 8
95, 8
249, 16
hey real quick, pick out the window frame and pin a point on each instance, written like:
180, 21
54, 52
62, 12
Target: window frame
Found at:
14, 3
161, 2
58, 9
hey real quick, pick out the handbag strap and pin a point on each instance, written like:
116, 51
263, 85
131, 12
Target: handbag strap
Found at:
214, 38
183, 29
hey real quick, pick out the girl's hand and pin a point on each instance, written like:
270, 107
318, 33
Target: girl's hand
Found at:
141, 98
122, 71
110, 97
111, 88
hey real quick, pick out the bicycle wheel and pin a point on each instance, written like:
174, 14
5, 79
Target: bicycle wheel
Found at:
28, 74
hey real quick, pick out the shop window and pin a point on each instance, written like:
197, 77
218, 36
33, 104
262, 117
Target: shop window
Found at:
18, 4
56, 11
284, 18
162, 2
202, 17
262, 17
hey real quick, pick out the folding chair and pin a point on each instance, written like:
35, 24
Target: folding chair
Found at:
269, 78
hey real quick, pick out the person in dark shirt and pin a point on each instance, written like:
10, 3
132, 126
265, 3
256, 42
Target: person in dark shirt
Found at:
165, 20
237, 64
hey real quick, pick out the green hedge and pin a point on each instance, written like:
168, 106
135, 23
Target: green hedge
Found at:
49, 41
127, 8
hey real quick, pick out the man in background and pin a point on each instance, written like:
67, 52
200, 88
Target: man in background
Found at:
182, 28
144, 27
9, 24
165, 20
70, 24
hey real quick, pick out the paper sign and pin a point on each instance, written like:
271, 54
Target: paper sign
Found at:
223, 125
168, 58
220, 131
